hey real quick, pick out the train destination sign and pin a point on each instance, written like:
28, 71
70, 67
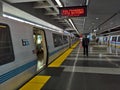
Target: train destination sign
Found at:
77, 11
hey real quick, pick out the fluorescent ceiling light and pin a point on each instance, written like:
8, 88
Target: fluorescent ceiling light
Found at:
59, 3
96, 18
67, 22
95, 30
87, 2
28, 22
73, 25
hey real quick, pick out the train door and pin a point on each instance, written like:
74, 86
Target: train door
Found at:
41, 50
69, 42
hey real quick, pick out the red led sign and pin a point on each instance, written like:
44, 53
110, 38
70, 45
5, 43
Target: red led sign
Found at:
78, 11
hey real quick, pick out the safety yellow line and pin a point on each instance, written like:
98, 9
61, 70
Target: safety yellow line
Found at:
39, 81
60, 59
36, 83
115, 46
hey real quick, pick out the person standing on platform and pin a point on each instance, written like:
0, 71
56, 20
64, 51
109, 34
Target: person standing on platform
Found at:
85, 43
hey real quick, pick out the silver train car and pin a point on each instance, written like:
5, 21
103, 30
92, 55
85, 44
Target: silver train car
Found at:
26, 49
110, 40
115, 41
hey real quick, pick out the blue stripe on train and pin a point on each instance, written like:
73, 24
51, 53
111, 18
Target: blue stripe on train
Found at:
16, 71
52, 53
22, 68
118, 43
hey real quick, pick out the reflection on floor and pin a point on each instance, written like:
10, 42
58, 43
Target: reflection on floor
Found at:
114, 50
99, 71
40, 62
39, 65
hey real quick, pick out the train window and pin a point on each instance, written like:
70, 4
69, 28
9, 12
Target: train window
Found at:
105, 39
119, 39
6, 48
65, 39
114, 38
57, 39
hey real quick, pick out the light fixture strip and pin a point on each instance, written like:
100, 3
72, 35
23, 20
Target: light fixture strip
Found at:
87, 2
59, 3
28, 22
73, 25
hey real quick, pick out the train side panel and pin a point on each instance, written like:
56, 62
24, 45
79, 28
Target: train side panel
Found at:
55, 44
23, 67
115, 41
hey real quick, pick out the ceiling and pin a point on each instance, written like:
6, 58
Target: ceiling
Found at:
98, 12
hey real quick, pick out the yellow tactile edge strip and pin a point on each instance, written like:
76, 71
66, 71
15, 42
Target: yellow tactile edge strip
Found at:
39, 81
60, 59
36, 83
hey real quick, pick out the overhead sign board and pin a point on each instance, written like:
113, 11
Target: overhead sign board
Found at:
76, 11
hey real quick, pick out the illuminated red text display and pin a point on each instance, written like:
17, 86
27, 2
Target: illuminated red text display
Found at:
73, 11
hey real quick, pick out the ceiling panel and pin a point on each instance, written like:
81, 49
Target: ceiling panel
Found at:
21, 1
98, 12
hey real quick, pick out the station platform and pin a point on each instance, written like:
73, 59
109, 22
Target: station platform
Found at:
74, 71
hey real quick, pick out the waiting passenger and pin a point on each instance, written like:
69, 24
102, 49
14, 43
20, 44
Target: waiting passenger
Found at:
85, 43
97, 40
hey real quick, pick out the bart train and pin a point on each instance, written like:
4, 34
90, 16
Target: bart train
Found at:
25, 49
113, 39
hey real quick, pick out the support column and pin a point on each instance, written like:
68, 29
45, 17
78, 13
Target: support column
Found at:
1, 8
